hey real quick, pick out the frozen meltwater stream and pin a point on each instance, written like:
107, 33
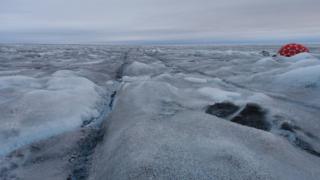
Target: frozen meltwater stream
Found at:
128, 112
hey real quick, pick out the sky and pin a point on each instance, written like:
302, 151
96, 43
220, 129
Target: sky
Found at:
159, 21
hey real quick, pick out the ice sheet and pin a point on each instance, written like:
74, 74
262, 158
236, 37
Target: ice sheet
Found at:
153, 102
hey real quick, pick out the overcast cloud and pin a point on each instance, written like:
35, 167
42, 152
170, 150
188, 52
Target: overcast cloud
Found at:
111, 21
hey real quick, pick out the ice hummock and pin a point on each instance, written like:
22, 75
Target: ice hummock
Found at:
304, 77
168, 136
36, 108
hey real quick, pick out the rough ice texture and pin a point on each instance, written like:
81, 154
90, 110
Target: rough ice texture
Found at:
218, 95
139, 69
153, 104
36, 108
164, 140
304, 77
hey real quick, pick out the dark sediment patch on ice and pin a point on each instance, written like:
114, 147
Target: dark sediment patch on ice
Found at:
287, 127
290, 127
298, 140
265, 53
306, 146
253, 115
294, 128
113, 96
86, 122
121, 69
5, 172
222, 110
310, 135
81, 160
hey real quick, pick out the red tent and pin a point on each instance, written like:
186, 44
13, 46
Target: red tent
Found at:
292, 49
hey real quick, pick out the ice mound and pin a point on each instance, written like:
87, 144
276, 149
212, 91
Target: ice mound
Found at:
244, 53
267, 62
295, 77
300, 79
22, 82
161, 91
305, 77
164, 139
140, 69
219, 95
298, 57
35, 108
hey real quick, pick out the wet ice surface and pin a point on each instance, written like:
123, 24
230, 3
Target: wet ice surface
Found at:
205, 112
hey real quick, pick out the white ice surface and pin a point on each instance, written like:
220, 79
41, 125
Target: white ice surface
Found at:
219, 95
300, 77
166, 138
158, 127
196, 80
36, 108
139, 69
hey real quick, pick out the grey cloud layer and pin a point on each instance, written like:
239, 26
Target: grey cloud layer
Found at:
157, 20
